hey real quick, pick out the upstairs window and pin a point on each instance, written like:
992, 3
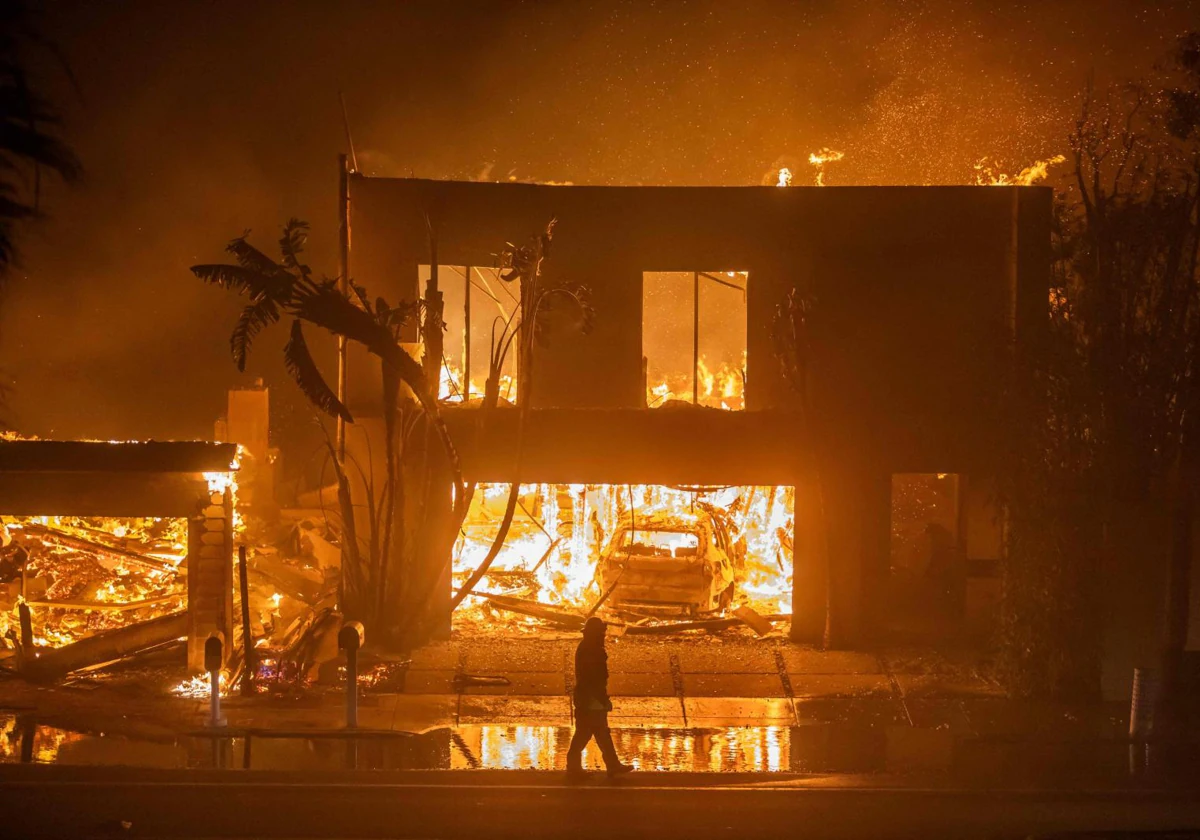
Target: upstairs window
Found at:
694, 338
475, 301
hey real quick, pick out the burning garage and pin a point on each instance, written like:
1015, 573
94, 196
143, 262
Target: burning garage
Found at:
113, 547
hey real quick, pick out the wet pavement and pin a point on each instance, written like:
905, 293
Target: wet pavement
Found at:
701, 707
861, 743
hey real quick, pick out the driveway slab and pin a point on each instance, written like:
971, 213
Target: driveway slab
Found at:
436, 656
733, 685
863, 712
429, 682
525, 684
800, 660
939, 685
728, 659
839, 685
739, 711
513, 657
628, 656
641, 685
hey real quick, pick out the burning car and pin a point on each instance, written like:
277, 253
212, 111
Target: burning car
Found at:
669, 564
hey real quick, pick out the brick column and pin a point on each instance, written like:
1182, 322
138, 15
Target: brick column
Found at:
210, 575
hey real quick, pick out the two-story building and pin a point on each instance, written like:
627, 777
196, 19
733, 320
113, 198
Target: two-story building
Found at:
921, 299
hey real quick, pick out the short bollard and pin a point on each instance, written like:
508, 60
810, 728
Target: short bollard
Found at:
213, 659
350, 639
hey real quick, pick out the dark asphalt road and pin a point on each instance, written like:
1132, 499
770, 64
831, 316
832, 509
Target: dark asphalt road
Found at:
535, 805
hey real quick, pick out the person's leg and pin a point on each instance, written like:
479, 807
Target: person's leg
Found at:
579, 740
603, 736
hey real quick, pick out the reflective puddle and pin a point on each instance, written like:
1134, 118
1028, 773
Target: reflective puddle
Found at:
817, 748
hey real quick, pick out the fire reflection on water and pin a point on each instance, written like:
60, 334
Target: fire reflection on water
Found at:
726, 749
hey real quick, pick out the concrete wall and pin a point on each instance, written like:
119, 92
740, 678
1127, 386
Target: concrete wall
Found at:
919, 290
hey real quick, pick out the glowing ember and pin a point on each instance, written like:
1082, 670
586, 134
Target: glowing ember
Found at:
986, 175
201, 687
821, 159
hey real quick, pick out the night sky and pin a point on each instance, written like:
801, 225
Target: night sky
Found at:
198, 120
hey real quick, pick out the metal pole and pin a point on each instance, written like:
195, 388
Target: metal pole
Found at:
344, 287
695, 338
213, 659
215, 694
467, 336
249, 654
432, 333
350, 639
352, 688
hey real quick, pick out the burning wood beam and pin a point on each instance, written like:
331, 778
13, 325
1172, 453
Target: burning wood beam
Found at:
106, 647
48, 534
107, 606
559, 618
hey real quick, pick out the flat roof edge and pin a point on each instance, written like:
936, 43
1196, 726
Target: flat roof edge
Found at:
116, 456
668, 187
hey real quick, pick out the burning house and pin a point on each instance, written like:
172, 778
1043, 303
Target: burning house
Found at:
665, 463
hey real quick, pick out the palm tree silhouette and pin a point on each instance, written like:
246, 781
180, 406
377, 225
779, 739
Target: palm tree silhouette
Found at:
27, 144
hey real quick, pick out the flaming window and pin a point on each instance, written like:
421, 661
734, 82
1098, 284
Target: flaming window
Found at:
476, 304
694, 338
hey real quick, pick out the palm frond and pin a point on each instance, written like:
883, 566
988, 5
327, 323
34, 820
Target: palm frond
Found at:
361, 294
236, 278
323, 305
249, 257
30, 144
411, 374
304, 370
254, 319
404, 312
291, 245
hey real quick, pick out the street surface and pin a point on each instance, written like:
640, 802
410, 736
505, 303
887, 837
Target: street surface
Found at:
83, 802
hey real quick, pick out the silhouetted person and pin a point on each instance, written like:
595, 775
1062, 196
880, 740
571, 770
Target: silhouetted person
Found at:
591, 702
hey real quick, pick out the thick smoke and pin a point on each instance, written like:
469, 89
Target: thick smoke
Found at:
198, 120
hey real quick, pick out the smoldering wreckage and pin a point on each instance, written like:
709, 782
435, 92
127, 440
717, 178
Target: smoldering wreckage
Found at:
669, 488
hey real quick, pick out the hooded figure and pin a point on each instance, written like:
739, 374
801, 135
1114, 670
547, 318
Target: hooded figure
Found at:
591, 701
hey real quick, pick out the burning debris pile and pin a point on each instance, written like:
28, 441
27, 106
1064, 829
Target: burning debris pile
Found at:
82, 576
650, 558
293, 568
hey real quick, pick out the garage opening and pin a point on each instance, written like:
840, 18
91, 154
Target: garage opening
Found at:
640, 555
